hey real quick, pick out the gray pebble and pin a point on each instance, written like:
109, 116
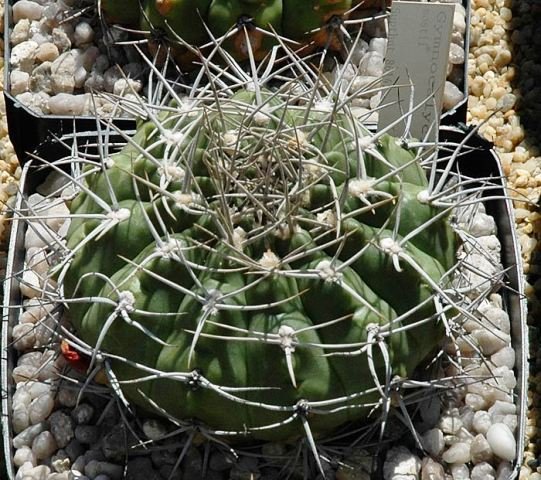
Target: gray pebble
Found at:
114, 444
154, 429
79, 464
160, 457
140, 468
168, 472
192, 464
74, 449
82, 413
62, 428
101, 64
87, 434
94, 454
220, 461
95, 468
110, 77
245, 469
77, 475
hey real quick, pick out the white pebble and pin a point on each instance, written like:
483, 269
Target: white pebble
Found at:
507, 102
30, 285
495, 317
483, 471
510, 420
457, 453
84, 33
491, 341
450, 424
123, 86
502, 408
430, 470
22, 455
460, 472
20, 32
80, 76
456, 54
482, 421
68, 104
47, 52
378, 45
502, 442
61, 39
504, 471
23, 55
21, 397
480, 449
452, 96
504, 357
44, 445
371, 64
22, 373
23, 336
60, 476
41, 408
39, 235
37, 389
482, 225
41, 472
475, 401
20, 420
36, 260
25, 468
25, 9
459, 22
27, 436
399, 461
20, 82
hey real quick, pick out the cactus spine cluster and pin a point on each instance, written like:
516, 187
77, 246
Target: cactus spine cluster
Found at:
257, 263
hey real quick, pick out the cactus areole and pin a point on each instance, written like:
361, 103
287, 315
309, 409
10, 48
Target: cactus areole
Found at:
258, 266
304, 21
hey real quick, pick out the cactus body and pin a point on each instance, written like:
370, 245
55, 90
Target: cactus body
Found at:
245, 243
126, 12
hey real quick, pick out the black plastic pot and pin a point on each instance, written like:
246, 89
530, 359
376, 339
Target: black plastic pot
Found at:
480, 161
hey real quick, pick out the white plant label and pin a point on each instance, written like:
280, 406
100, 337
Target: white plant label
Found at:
419, 37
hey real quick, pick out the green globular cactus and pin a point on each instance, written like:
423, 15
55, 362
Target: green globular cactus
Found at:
302, 21
259, 263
